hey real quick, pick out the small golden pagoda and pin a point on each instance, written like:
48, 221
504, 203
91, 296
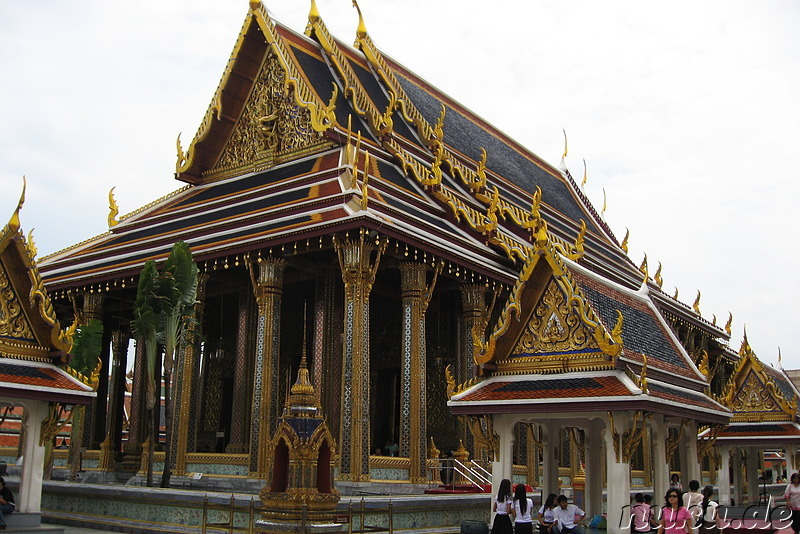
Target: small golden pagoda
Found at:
300, 495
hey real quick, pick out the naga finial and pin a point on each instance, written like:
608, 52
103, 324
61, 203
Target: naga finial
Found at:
313, 13
729, 323
30, 246
643, 266
14, 223
563, 165
624, 244
113, 209
675, 296
585, 175
696, 305
657, 277
703, 365
605, 203
361, 32
643, 374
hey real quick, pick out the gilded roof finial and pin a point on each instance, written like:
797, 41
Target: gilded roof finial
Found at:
313, 13
361, 32
30, 246
585, 175
254, 4
675, 296
657, 277
745, 343
703, 365
113, 209
714, 319
643, 266
364, 189
696, 305
624, 244
643, 375
605, 205
14, 223
780, 365
729, 323
563, 164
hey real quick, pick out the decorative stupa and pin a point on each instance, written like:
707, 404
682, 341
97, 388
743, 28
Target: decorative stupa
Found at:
300, 497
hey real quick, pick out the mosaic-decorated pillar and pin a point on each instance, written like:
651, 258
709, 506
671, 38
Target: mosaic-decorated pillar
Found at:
473, 302
358, 274
413, 425
268, 289
95, 417
116, 398
196, 390
138, 415
239, 410
327, 362
185, 381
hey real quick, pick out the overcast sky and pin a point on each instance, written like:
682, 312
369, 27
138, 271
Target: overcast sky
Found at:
686, 113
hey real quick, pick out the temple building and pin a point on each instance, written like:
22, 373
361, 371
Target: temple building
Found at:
457, 288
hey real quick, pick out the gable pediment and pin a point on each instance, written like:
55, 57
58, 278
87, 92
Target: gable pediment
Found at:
14, 326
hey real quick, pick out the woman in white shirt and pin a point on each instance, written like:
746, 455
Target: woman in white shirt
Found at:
502, 506
546, 516
792, 496
523, 524
709, 519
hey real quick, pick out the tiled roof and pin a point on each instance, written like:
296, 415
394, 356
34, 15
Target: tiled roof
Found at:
23, 376
643, 332
682, 396
549, 388
756, 430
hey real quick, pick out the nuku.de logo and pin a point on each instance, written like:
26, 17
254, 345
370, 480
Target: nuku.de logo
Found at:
753, 517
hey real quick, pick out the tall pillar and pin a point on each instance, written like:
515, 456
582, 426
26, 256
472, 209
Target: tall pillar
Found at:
195, 391
358, 275
618, 475
502, 467
328, 322
185, 383
95, 416
239, 412
551, 439
753, 486
594, 468
116, 398
473, 303
738, 478
413, 424
692, 468
789, 450
723, 474
137, 433
268, 289
659, 431
29, 497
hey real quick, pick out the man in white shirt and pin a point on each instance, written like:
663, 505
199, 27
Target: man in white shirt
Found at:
565, 517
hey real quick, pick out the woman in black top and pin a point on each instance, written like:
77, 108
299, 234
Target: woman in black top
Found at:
6, 503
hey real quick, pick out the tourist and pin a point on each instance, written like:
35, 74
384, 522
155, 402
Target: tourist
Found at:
547, 517
523, 524
693, 498
648, 500
640, 515
7, 505
675, 482
565, 515
502, 506
709, 519
675, 519
792, 497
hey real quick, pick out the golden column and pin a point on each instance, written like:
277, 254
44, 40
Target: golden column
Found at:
268, 288
185, 383
413, 424
473, 303
358, 274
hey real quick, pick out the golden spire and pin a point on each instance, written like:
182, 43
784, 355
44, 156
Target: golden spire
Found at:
14, 223
624, 244
585, 174
303, 401
696, 305
361, 32
113, 209
313, 13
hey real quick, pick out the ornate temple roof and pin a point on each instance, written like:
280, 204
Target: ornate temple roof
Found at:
33, 347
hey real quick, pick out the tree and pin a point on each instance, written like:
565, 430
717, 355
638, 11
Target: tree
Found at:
163, 310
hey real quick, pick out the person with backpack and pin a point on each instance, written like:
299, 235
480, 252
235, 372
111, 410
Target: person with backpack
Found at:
709, 519
640, 515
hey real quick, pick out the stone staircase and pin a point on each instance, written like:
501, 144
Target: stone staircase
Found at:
21, 522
